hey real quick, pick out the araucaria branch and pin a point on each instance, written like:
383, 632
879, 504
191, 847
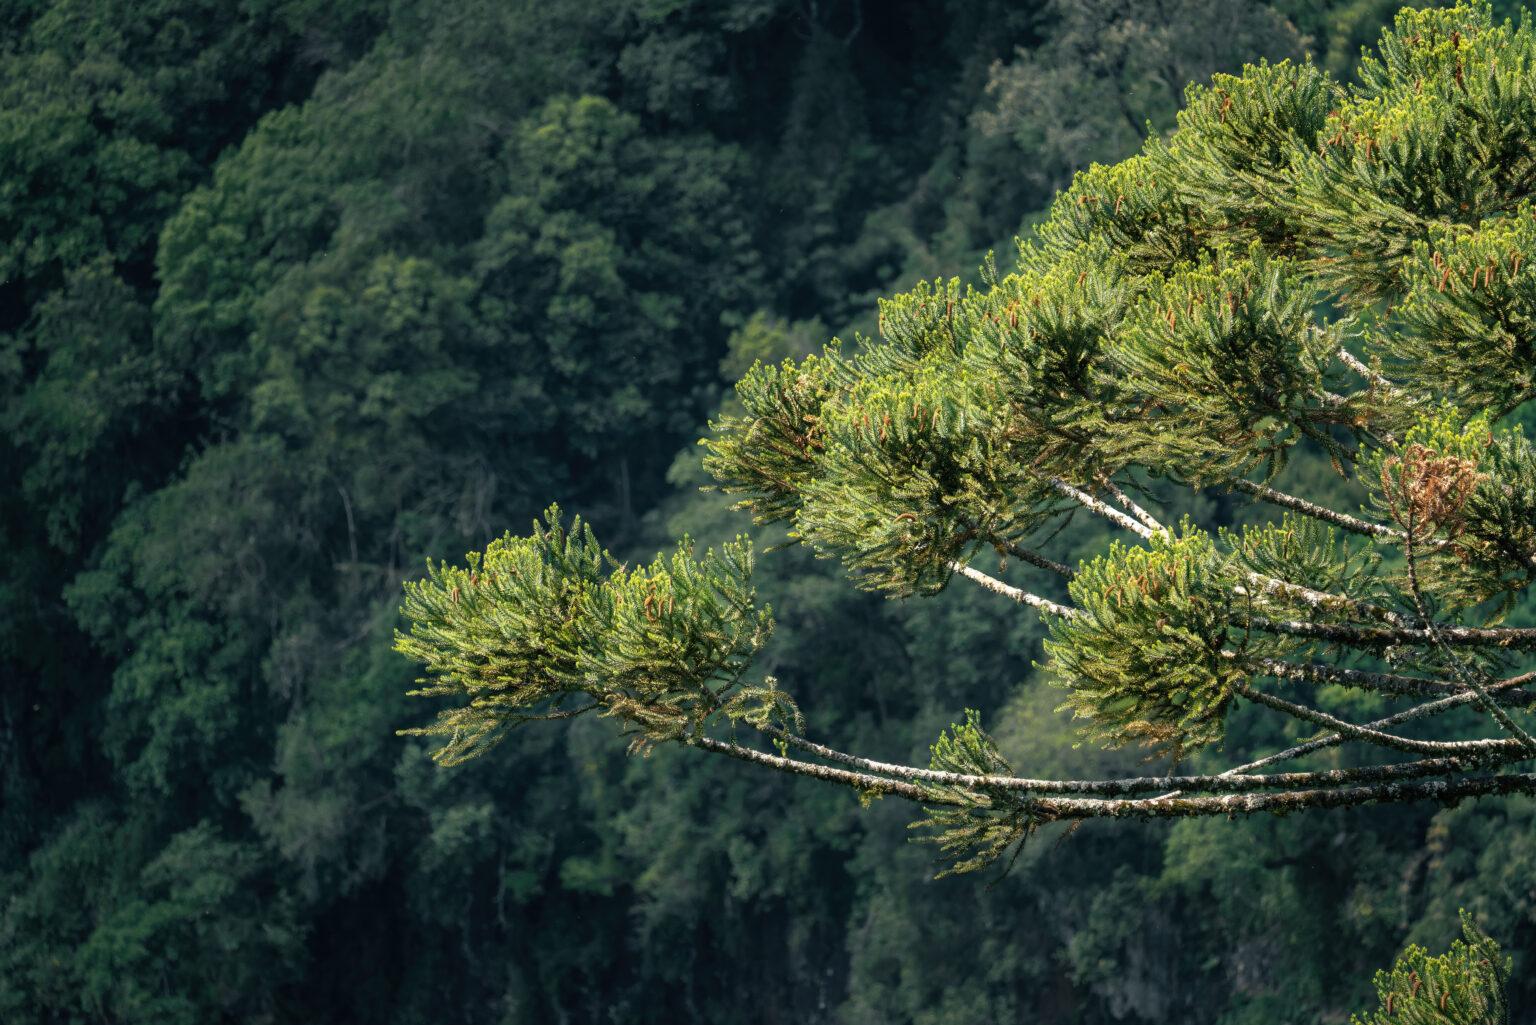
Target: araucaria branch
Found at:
1303, 265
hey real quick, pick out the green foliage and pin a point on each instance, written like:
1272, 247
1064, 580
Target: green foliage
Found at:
190, 933
530, 623
508, 640
896, 492
897, 459
1222, 368
1464, 986
1437, 134
768, 451
1144, 662
1233, 152
1498, 535
581, 258
1469, 312
977, 824
1311, 554
1137, 334
1462, 491
1043, 333
1131, 210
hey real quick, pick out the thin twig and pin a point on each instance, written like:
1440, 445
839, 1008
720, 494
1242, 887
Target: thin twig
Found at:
1380, 637
1423, 711
1133, 784
1170, 806
1034, 558
1320, 599
1352, 362
1063, 808
858, 780
1387, 683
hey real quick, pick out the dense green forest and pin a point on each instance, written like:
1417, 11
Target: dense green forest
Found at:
297, 295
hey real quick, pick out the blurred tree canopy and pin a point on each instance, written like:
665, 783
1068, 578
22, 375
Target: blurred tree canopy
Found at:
294, 295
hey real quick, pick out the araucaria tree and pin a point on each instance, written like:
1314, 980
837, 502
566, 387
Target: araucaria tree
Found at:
1302, 265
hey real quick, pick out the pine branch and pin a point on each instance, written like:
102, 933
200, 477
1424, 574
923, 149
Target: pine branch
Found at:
1387, 683
1370, 637
1147, 519
863, 782
1443, 791
1328, 600
1392, 784
1005, 547
1165, 321
1144, 784
1144, 528
1034, 558
1377, 381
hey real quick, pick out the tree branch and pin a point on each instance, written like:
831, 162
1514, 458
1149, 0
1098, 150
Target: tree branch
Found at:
1099, 508
1393, 783
996, 586
1063, 808
1470, 680
857, 780
1146, 518
1387, 683
1423, 711
1367, 637
1032, 557
1136, 784
1313, 510
1367, 734
1352, 362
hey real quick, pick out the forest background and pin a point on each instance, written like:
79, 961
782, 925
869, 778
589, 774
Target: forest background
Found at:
295, 294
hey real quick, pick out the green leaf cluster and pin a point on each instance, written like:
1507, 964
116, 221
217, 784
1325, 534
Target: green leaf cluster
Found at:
1438, 133
1222, 367
1144, 661
1233, 154
1303, 551
1469, 298
975, 825
1191, 313
1464, 986
533, 623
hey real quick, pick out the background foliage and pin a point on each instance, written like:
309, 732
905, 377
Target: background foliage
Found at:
294, 295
